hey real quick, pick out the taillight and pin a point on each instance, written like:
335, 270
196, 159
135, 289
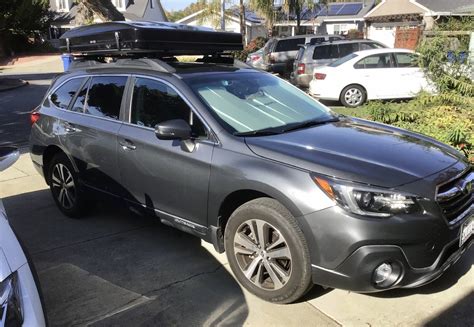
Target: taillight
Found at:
255, 58
301, 69
319, 76
34, 117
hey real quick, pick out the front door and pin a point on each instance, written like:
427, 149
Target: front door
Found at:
164, 174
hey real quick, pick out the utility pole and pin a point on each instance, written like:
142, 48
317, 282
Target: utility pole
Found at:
243, 27
223, 15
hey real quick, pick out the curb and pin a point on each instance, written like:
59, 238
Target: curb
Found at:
18, 83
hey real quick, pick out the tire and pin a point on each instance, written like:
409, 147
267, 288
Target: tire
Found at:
65, 187
280, 272
353, 96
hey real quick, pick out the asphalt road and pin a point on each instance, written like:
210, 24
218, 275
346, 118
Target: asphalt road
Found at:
15, 106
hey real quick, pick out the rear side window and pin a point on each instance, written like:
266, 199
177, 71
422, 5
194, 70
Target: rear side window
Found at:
299, 56
406, 60
289, 45
105, 96
80, 99
370, 45
326, 52
347, 48
62, 97
154, 102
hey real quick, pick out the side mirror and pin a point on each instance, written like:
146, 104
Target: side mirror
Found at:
8, 156
175, 129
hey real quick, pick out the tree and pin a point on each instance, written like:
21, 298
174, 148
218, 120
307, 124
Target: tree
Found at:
103, 9
296, 7
266, 9
20, 19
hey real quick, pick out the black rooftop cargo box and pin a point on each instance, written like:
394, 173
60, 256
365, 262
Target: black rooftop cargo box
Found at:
147, 37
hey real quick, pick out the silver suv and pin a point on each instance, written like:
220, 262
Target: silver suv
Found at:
311, 56
279, 53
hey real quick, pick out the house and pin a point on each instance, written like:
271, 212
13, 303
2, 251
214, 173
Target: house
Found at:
66, 11
335, 18
254, 25
400, 22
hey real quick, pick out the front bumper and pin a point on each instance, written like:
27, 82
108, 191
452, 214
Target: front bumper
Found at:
346, 249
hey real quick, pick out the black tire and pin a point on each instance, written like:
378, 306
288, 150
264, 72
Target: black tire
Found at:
353, 96
69, 198
280, 226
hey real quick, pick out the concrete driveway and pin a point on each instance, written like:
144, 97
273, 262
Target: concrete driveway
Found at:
117, 268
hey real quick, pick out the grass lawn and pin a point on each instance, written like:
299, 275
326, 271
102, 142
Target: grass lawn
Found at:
360, 112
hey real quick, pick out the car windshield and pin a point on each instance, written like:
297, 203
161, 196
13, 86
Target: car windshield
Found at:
342, 60
247, 103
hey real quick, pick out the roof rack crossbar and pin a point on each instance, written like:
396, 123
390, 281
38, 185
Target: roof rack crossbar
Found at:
155, 64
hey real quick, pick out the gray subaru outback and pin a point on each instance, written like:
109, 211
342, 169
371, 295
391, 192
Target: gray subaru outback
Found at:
294, 194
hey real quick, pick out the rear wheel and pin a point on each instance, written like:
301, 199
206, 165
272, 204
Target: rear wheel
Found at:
267, 251
353, 96
65, 187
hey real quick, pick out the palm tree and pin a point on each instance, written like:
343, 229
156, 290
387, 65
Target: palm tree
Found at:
296, 7
266, 9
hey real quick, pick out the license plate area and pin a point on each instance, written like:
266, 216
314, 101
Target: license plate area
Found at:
466, 230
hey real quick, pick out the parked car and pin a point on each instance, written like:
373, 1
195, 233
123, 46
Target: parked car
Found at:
370, 75
293, 193
312, 56
20, 303
255, 59
281, 52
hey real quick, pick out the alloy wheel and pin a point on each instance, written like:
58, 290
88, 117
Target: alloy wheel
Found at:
353, 96
263, 254
63, 186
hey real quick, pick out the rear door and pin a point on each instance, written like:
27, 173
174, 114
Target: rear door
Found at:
165, 175
90, 131
411, 78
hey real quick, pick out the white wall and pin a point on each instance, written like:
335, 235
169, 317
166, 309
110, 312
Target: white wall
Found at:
343, 28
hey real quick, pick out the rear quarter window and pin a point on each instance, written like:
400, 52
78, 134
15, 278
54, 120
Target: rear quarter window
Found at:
63, 95
326, 52
289, 45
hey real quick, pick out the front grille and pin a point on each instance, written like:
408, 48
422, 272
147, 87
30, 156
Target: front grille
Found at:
456, 197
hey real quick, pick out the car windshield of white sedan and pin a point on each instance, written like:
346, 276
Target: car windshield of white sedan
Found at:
256, 103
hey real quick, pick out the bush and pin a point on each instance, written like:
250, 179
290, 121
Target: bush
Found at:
254, 45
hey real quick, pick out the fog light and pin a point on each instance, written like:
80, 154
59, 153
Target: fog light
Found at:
382, 273
386, 274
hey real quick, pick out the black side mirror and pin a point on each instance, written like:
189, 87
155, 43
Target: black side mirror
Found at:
8, 156
175, 129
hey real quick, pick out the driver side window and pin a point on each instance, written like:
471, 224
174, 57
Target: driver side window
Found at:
154, 102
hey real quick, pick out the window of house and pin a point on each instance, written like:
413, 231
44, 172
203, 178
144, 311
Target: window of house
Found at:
105, 96
63, 95
63, 5
154, 102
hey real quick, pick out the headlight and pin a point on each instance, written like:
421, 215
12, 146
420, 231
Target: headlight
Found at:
367, 201
10, 302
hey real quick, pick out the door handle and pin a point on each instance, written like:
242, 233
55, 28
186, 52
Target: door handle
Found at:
127, 145
70, 128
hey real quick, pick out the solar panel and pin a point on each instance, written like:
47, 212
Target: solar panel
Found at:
333, 9
350, 9
323, 12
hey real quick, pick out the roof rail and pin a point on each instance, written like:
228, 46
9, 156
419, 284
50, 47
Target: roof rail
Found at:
145, 63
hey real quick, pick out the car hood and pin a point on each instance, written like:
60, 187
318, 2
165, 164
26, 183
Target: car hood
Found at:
358, 150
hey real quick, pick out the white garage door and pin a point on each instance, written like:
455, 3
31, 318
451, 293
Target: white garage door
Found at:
383, 34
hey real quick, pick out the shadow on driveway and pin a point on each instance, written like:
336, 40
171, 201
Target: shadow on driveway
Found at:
116, 268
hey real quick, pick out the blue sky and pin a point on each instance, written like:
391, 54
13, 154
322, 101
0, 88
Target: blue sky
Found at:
175, 4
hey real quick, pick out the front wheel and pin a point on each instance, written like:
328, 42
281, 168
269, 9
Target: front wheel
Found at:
267, 251
353, 96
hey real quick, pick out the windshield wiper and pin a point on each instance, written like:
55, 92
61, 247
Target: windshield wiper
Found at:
309, 123
258, 133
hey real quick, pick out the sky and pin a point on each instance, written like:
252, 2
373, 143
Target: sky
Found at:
175, 4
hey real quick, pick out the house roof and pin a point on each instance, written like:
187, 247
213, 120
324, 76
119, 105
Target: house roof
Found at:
421, 7
446, 6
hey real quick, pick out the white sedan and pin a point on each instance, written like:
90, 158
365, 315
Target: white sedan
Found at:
369, 75
20, 303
